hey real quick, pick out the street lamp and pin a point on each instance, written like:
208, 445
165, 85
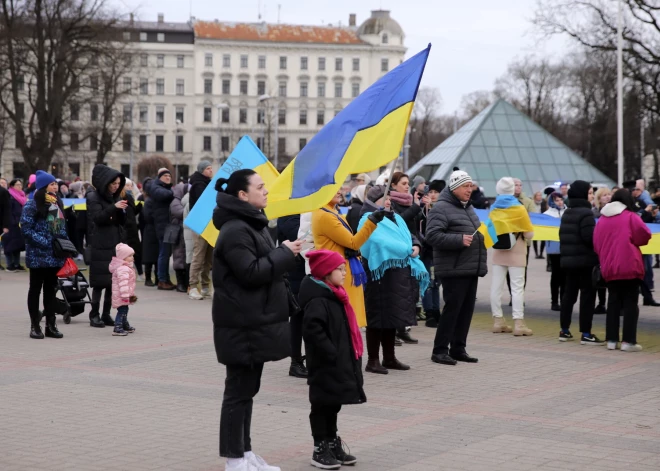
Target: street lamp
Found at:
220, 107
265, 98
178, 123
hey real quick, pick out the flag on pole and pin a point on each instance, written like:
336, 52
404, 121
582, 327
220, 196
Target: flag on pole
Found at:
246, 155
364, 136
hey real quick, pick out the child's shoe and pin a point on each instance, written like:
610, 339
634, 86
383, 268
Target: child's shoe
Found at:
119, 332
128, 328
323, 457
337, 447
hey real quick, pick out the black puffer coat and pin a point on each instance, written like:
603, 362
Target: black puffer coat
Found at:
149, 237
335, 376
105, 225
410, 214
250, 300
576, 234
447, 222
161, 195
131, 226
176, 218
198, 183
13, 240
287, 229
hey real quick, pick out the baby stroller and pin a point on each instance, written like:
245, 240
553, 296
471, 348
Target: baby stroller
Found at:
75, 294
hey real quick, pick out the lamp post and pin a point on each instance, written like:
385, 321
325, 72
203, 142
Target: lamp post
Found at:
263, 99
130, 170
176, 165
220, 107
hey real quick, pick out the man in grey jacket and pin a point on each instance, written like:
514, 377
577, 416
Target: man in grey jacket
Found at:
459, 257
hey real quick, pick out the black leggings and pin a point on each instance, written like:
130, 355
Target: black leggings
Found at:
148, 268
323, 420
42, 279
536, 248
557, 278
378, 337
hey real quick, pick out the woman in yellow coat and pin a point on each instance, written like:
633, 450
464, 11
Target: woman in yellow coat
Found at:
332, 232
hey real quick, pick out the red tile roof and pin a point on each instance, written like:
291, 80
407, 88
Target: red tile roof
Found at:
276, 33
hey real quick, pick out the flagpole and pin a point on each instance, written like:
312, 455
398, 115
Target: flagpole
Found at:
619, 87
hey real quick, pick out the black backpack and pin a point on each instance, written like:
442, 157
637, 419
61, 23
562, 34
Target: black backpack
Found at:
506, 241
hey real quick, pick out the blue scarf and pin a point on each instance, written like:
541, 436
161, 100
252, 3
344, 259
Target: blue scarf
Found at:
359, 275
390, 246
505, 201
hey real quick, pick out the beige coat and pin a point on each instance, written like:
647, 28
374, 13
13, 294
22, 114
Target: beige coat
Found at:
517, 256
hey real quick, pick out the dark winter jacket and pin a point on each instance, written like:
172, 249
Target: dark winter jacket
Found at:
353, 216
287, 229
39, 238
576, 235
198, 183
447, 222
5, 209
131, 226
335, 376
105, 225
149, 237
479, 201
161, 195
250, 300
13, 241
176, 218
410, 214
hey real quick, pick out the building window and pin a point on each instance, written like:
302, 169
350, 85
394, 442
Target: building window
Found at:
160, 60
208, 113
281, 116
303, 89
179, 61
261, 88
207, 143
179, 143
143, 36
226, 60
208, 59
337, 111
94, 83
303, 116
73, 141
144, 86
282, 62
355, 90
160, 114
160, 37
20, 112
143, 143
75, 112
262, 62
303, 63
160, 86
126, 142
20, 83
242, 116
225, 87
260, 143
179, 114
126, 35
127, 85
94, 112
128, 113
384, 65
93, 142
224, 144
144, 60
225, 115
281, 145
159, 143
243, 87
339, 64
180, 87
208, 86
321, 63
338, 90
356, 65
244, 61
302, 142
321, 90
261, 113
386, 38
282, 89
144, 114
320, 117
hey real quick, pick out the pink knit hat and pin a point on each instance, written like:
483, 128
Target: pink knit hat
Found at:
322, 262
123, 251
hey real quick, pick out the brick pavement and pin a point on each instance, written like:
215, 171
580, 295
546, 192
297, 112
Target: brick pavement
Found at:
151, 401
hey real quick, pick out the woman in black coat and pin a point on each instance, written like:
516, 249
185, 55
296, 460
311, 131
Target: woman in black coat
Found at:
149, 237
131, 227
250, 302
106, 217
12, 242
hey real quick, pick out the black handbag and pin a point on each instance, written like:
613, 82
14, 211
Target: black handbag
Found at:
172, 234
63, 248
597, 279
294, 307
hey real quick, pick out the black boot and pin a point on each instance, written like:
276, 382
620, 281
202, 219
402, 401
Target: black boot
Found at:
35, 328
432, 318
51, 327
323, 457
107, 319
337, 447
94, 317
297, 368
181, 285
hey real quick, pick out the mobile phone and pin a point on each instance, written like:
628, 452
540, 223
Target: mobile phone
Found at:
654, 207
304, 236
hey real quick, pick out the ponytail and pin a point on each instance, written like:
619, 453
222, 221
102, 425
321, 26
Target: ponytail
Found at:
237, 182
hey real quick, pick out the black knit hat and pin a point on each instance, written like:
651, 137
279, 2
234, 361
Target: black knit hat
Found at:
579, 189
437, 185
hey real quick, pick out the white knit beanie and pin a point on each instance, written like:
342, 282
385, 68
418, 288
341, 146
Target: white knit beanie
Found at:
458, 178
506, 186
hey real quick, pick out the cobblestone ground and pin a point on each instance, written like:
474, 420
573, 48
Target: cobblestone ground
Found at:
152, 400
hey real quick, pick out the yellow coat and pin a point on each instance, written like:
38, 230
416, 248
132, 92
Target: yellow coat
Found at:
330, 234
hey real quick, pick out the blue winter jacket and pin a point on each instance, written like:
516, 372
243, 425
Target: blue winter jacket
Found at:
39, 239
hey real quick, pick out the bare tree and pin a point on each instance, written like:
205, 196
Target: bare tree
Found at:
474, 103
148, 166
424, 122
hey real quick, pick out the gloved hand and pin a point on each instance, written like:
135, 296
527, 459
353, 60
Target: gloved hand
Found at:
133, 299
377, 216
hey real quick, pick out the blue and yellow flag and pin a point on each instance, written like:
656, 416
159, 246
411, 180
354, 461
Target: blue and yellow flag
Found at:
246, 154
364, 136
506, 216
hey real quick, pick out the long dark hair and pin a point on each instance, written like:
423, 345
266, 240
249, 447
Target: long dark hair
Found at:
626, 198
237, 182
42, 206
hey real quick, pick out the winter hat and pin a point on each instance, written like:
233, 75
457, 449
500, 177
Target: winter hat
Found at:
418, 180
43, 179
32, 179
579, 189
505, 186
458, 178
437, 185
322, 262
164, 171
366, 178
359, 192
201, 166
376, 193
123, 251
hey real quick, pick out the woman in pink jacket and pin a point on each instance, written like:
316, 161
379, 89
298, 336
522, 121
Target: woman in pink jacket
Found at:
123, 288
618, 236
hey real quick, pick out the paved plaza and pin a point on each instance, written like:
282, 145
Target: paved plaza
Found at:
151, 401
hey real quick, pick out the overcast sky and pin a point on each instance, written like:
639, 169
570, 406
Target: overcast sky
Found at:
473, 41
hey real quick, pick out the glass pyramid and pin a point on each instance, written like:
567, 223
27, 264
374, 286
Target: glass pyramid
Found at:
502, 141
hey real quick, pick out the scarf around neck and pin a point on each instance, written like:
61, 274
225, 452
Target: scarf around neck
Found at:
18, 195
342, 296
404, 199
390, 246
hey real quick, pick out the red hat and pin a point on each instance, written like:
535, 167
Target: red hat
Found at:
322, 262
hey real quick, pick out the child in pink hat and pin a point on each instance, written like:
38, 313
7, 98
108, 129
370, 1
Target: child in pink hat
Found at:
123, 288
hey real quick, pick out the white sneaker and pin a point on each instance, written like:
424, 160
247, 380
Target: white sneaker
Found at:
205, 292
239, 464
611, 345
194, 294
629, 347
259, 463
140, 278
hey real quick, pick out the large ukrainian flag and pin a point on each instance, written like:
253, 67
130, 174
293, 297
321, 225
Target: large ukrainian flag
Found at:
364, 136
507, 215
246, 154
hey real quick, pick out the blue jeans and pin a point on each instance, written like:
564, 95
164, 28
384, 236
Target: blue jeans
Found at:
13, 259
122, 316
431, 297
648, 270
163, 261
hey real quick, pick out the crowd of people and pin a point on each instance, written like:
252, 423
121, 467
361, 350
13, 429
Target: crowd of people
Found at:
363, 262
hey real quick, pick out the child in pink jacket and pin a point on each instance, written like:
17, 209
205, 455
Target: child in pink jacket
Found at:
123, 288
